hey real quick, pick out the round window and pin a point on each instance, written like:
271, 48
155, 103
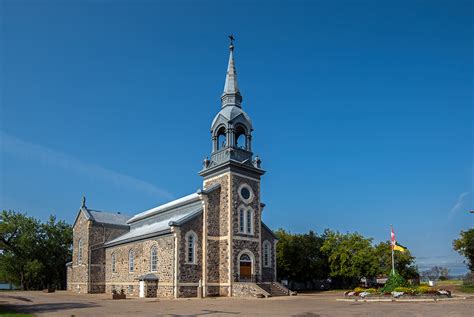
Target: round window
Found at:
245, 192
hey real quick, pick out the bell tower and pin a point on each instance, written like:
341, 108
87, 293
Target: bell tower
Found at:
232, 215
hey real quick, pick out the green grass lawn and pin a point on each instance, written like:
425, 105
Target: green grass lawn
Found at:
466, 289
449, 282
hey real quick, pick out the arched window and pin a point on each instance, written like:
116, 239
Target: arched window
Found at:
249, 222
131, 261
266, 253
221, 138
113, 262
242, 220
191, 238
246, 220
79, 252
240, 137
153, 259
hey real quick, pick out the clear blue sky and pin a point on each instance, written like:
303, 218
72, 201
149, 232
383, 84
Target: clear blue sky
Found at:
363, 110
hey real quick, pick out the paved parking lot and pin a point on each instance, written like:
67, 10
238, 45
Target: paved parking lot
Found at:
310, 305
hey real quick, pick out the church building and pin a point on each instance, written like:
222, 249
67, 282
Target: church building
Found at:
210, 243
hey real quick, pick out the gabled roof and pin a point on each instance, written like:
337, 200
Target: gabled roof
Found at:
270, 231
186, 200
104, 217
159, 227
159, 220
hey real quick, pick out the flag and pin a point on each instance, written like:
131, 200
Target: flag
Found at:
393, 242
399, 247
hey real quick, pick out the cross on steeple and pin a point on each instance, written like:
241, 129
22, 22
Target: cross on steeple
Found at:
232, 39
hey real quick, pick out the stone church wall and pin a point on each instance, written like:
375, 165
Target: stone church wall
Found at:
218, 228
190, 273
79, 271
89, 275
246, 242
268, 273
99, 234
218, 207
128, 281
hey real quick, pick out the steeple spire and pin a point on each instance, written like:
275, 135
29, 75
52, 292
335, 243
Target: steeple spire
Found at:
231, 95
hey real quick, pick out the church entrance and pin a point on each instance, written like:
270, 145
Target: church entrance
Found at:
245, 268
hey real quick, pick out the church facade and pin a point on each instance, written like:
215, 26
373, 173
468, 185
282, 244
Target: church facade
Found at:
210, 243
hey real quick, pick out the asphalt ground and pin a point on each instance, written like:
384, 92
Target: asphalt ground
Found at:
62, 303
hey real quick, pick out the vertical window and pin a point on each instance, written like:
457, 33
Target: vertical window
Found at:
113, 262
266, 254
153, 259
131, 261
191, 247
79, 252
249, 221
241, 220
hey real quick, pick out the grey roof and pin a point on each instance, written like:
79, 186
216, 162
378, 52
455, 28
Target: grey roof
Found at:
231, 86
109, 217
269, 230
159, 220
104, 217
168, 206
230, 113
155, 228
148, 277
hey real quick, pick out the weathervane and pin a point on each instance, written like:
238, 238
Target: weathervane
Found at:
83, 201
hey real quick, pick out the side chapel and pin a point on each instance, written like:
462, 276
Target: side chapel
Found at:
210, 243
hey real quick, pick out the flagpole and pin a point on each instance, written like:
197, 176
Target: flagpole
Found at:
391, 245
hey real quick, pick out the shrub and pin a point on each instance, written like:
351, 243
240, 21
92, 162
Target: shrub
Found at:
368, 290
371, 290
406, 290
394, 280
426, 290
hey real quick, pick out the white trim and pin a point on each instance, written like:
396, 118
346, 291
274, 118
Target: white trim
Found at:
219, 238
80, 252
131, 251
253, 239
252, 259
131, 283
246, 210
176, 261
269, 254
252, 195
154, 248
230, 233
189, 234
218, 284
113, 262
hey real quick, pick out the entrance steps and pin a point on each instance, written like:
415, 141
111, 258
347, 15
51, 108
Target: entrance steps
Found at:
275, 289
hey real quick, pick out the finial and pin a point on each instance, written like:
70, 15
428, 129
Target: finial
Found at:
83, 202
232, 39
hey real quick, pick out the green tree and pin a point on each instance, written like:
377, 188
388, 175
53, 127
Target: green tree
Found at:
351, 257
299, 256
19, 245
33, 255
404, 261
464, 245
